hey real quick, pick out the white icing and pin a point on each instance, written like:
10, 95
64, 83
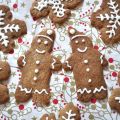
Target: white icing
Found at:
76, 36
70, 115
82, 51
3, 33
99, 90
113, 18
39, 41
89, 80
40, 92
24, 89
0, 68
46, 42
24, 62
53, 63
37, 62
72, 31
35, 78
118, 99
57, 6
101, 59
49, 32
83, 40
44, 36
87, 69
68, 65
84, 90
76, 42
89, 91
40, 52
2, 17
36, 70
85, 61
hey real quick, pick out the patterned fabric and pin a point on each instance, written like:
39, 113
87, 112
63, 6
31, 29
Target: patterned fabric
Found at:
62, 84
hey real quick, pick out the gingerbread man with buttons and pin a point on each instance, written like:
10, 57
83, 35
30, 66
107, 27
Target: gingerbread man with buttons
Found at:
36, 67
87, 65
5, 72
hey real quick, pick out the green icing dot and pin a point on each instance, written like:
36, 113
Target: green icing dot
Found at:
91, 117
93, 107
104, 106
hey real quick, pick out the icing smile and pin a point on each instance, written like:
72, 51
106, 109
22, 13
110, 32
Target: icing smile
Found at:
40, 52
82, 51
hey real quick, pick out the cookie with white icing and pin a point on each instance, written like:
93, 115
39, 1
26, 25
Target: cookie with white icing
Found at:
107, 20
69, 112
48, 117
9, 29
4, 75
57, 10
114, 100
36, 67
87, 65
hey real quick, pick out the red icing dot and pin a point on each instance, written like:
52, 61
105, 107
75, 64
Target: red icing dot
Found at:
11, 51
93, 100
20, 40
55, 101
15, 5
114, 74
110, 60
21, 107
66, 79
96, 47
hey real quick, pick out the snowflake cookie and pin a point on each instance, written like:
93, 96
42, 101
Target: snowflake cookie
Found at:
87, 65
4, 75
48, 117
57, 10
9, 30
36, 67
114, 100
70, 112
107, 19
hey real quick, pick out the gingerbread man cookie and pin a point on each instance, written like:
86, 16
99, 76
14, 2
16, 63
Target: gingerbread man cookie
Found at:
87, 65
36, 67
114, 100
57, 10
107, 19
9, 30
4, 75
70, 112
48, 117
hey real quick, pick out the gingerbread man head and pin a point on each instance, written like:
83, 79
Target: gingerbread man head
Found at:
44, 42
79, 42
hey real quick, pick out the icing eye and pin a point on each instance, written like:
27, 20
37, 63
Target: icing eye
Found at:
0, 69
72, 31
83, 40
46, 42
49, 32
39, 41
76, 42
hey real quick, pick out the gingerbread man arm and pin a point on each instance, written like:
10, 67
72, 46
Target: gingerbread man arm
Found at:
69, 63
56, 64
22, 60
104, 61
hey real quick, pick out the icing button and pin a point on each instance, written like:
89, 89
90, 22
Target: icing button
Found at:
85, 61
36, 70
88, 69
37, 62
89, 80
35, 78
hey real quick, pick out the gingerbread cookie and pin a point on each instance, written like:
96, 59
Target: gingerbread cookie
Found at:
57, 10
4, 75
48, 117
119, 78
36, 67
87, 65
9, 29
107, 20
114, 99
70, 112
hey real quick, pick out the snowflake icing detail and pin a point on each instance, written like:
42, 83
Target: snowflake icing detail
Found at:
4, 30
57, 6
69, 115
114, 18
